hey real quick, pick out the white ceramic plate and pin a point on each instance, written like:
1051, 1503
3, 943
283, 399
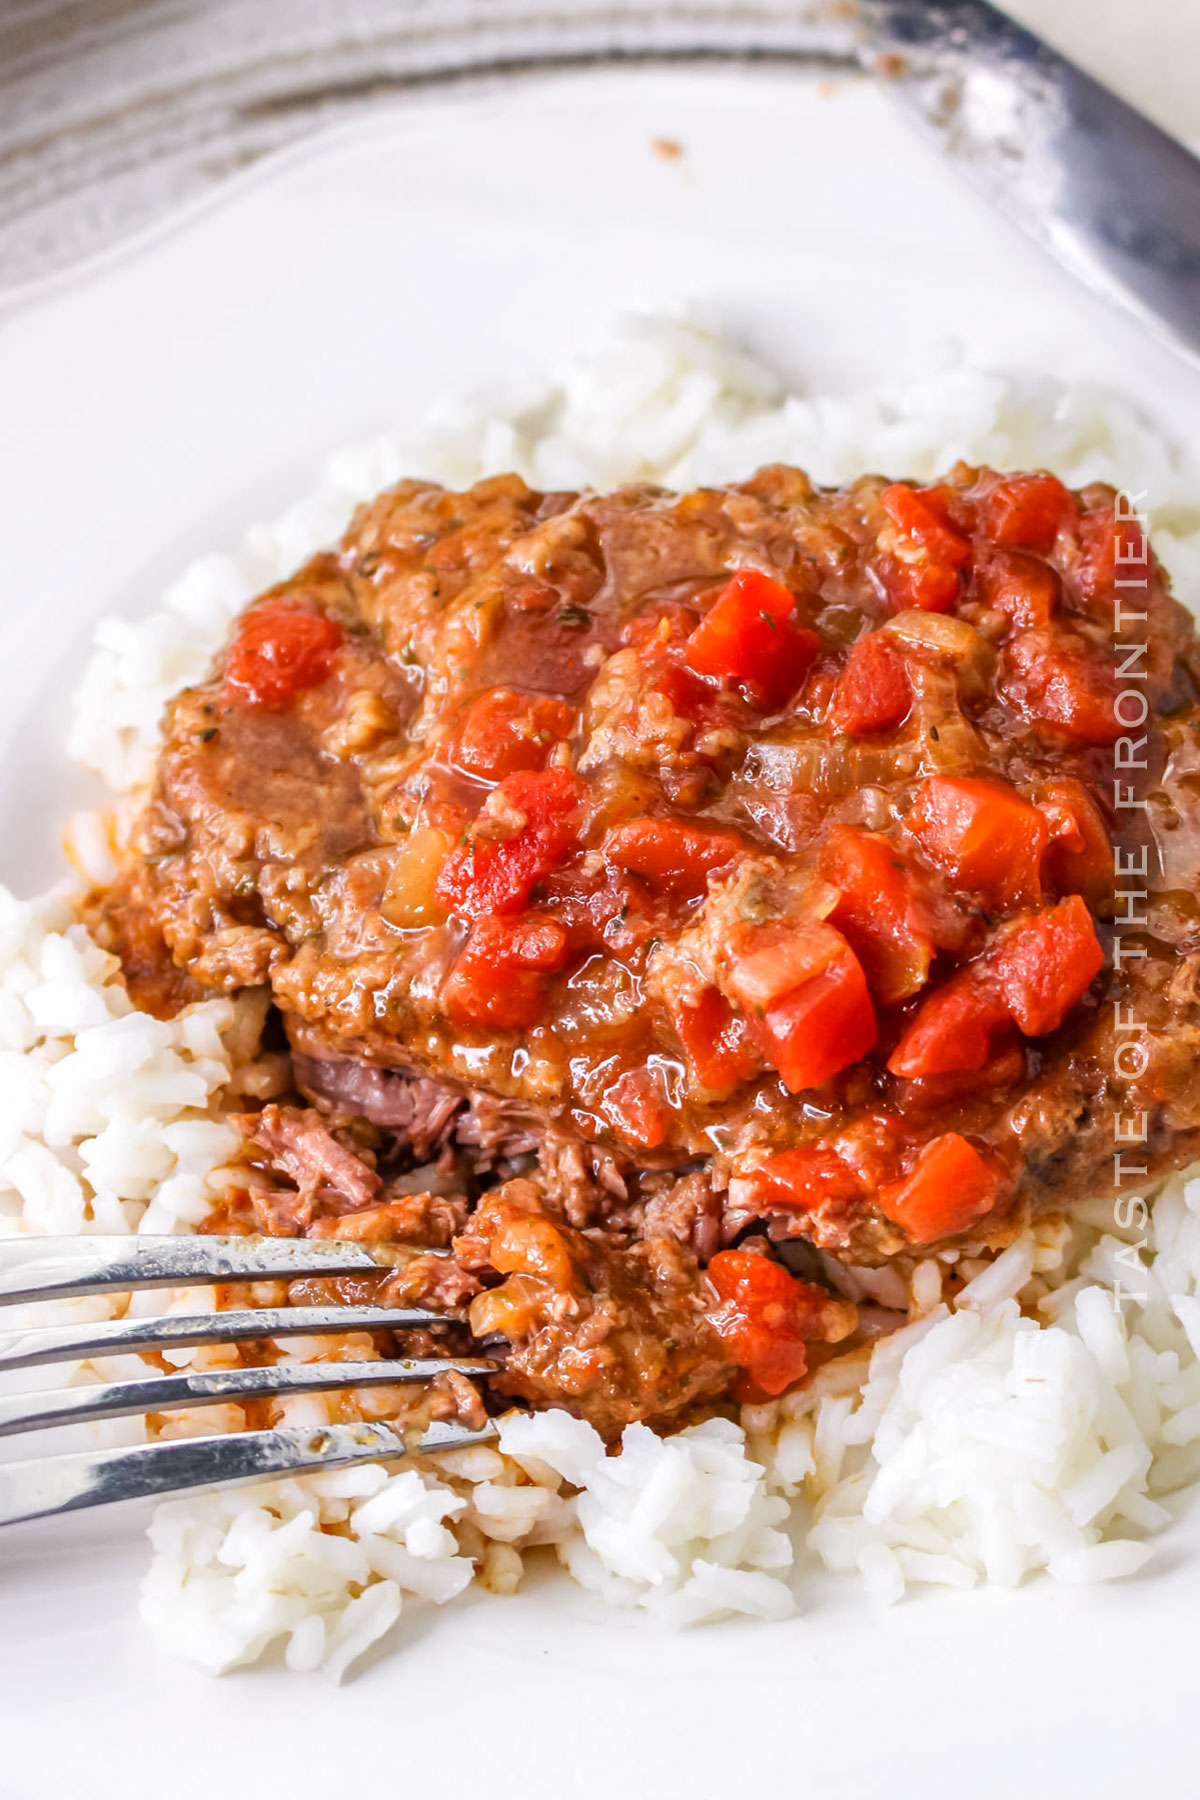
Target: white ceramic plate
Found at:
152, 406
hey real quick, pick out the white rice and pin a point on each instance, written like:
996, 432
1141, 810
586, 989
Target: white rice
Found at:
1036, 1427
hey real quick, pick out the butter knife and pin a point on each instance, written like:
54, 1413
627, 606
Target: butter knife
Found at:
1115, 199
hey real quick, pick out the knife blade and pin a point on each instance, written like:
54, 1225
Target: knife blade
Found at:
1092, 180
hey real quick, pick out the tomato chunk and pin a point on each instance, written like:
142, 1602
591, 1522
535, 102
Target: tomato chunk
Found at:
501, 977
1057, 679
1004, 1067
948, 1188
773, 960
657, 627
1079, 859
503, 731
955, 1028
806, 1180
821, 1027
1102, 537
1023, 588
1042, 965
766, 1316
673, 855
714, 1040
1025, 512
873, 692
933, 587
921, 515
922, 566
880, 910
1032, 975
523, 833
748, 634
279, 651
636, 1105
985, 837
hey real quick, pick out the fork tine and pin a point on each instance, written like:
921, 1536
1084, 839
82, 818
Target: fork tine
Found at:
166, 1331
208, 1387
60, 1268
61, 1484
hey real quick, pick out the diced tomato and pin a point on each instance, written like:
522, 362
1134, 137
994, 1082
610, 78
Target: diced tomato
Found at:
806, 1180
765, 1317
772, 960
1023, 588
1025, 512
921, 567
955, 1028
658, 627
873, 692
880, 911
933, 587
1035, 971
674, 855
948, 1188
822, 1027
748, 634
501, 977
636, 1106
1102, 536
503, 731
1043, 964
921, 515
1056, 678
1079, 859
714, 1040
524, 831
985, 837
279, 651
1004, 1067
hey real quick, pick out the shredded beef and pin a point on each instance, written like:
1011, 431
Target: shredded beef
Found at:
299, 1145
688, 1211
501, 1129
414, 1107
588, 1325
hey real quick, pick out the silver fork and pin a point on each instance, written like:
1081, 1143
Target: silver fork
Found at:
36, 1269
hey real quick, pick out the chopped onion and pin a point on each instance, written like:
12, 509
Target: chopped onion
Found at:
408, 898
946, 637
